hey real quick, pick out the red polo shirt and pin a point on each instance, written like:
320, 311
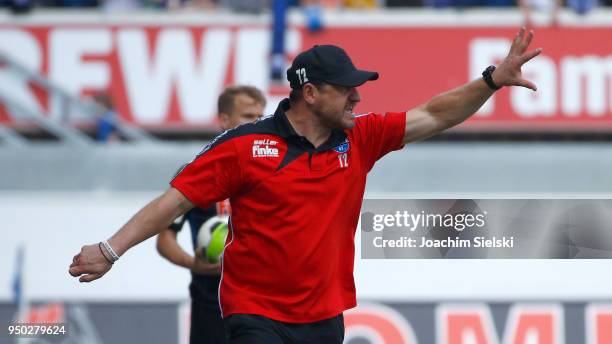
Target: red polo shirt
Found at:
290, 252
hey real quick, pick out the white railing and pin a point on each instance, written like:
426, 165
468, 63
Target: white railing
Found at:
67, 103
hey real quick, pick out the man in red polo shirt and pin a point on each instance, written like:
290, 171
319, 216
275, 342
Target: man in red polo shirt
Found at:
295, 182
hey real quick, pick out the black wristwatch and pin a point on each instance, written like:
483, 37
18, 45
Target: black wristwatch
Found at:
487, 76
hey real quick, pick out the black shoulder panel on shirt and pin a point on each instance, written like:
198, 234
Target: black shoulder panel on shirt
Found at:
265, 125
294, 151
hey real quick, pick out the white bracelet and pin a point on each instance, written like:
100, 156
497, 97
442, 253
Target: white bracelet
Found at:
110, 251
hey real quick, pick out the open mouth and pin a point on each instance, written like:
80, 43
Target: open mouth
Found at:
349, 110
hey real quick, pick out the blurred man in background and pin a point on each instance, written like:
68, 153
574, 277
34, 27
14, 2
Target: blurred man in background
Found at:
106, 121
236, 105
296, 182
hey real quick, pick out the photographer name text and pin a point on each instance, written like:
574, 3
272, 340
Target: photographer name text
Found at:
423, 242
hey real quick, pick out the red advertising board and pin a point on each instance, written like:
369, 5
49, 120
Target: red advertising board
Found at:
169, 75
544, 322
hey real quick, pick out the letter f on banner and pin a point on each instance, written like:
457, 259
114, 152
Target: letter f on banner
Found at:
485, 52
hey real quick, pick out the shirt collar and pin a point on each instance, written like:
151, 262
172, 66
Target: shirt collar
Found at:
282, 122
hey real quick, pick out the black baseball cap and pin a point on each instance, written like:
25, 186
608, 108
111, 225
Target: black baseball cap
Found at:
329, 64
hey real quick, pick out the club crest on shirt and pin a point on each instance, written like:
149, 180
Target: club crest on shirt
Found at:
343, 147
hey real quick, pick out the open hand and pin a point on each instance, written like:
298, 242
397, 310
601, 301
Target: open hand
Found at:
508, 73
90, 264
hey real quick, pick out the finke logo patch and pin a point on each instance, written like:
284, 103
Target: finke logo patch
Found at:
342, 148
265, 149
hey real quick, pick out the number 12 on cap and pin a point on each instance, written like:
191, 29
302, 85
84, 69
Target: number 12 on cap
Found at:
301, 73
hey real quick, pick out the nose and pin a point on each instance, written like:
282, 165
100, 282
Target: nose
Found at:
354, 95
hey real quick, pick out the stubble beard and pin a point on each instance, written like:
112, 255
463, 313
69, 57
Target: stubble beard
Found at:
334, 120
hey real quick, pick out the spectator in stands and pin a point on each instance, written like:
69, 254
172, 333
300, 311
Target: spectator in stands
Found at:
403, 3
106, 123
121, 5
313, 11
77, 3
245, 6
460, 4
582, 7
550, 7
360, 4
18, 6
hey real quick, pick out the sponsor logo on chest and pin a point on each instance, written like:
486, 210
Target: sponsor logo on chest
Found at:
265, 148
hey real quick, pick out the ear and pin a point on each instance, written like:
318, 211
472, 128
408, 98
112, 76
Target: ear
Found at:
224, 120
310, 93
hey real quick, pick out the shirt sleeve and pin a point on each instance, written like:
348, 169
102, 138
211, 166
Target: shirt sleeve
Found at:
376, 135
214, 175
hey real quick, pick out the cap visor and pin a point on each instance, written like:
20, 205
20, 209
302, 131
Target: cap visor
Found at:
354, 78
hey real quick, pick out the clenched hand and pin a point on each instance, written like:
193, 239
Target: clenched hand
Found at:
90, 264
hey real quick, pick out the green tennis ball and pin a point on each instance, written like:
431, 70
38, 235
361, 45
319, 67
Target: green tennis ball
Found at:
217, 243
211, 238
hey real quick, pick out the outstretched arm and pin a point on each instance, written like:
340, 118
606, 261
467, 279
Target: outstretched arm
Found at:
91, 264
453, 107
